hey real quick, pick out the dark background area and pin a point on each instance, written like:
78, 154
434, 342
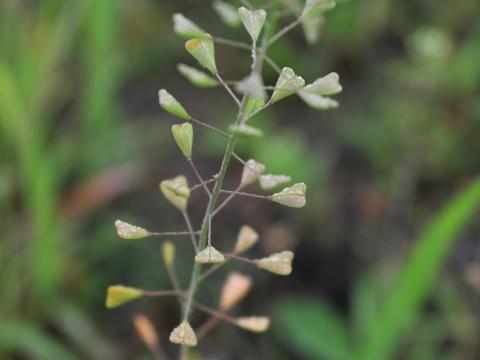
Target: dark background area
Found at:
83, 142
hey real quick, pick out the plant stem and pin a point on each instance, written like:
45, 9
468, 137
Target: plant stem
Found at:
174, 233
199, 177
246, 194
190, 227
283, 31
210, 127
229, 90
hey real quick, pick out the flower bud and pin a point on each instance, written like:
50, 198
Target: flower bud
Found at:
209, 255
278, 263
171, 105
183, 334
118, 295
234, 290
245, 130
288, 82
253, 323
268, 182
253, 21
183, 135
203, 51
176, 191
247, 237
196, 77
130, 232
168, 253
251, 171
293, 196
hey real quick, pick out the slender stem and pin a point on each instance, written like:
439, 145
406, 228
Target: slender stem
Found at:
215, 313
172, 274
211, 270
160, 293
252, 114
229, 90
273, 64
233, 43
207, 326
211, 127
199, 177
226, 201
175, 233
283, 31
241, 258
199, 185
264, 197
189, 226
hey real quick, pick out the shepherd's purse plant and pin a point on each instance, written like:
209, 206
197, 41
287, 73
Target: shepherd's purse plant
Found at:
251, 97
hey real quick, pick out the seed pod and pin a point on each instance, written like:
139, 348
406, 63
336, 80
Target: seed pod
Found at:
146, 331
235, 288
252, 86
288, 82
197, 77
183, 334
278, 263
318, 5
253, 21
269, 181
184, 27
176, 191
251, 171
183, 135
253, 323
293, 196
168, 253
247, 237
130, 232
245, 130
118, 295
171, 105
203, 51
227, 12
209, 255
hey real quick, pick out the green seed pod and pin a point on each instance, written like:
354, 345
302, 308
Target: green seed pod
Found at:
288, 83
245, 130
253, 21
130, 232
203, 51
197, 77
171, 105
183, 135
118, 295
185, 27
176, 191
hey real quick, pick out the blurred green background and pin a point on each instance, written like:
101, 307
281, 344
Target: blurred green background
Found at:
387, 255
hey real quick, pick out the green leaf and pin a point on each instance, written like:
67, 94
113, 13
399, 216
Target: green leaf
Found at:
197, 77
402, 306
203, 51
253, 21
312, 329
227, 12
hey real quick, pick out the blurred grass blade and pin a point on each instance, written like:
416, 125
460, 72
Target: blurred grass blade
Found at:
311, 329
401, 308
27, 339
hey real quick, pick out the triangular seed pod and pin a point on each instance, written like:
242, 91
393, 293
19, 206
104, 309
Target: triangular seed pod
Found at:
288, 83
197, 77
209, 255
171, 105
247, 237
253, 323
251, 171
184, 27
269, 181
203, 51
253, 21
227, 12
235, 288
176, 191
293, 196
278, 263
130, 232
118, 295
183, 334
183, 135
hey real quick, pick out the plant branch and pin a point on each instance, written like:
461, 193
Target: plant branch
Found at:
199, 185
211, 127
264, 197
189, 226
283, 31
229, 90
199, 177
237, 44
174, 233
